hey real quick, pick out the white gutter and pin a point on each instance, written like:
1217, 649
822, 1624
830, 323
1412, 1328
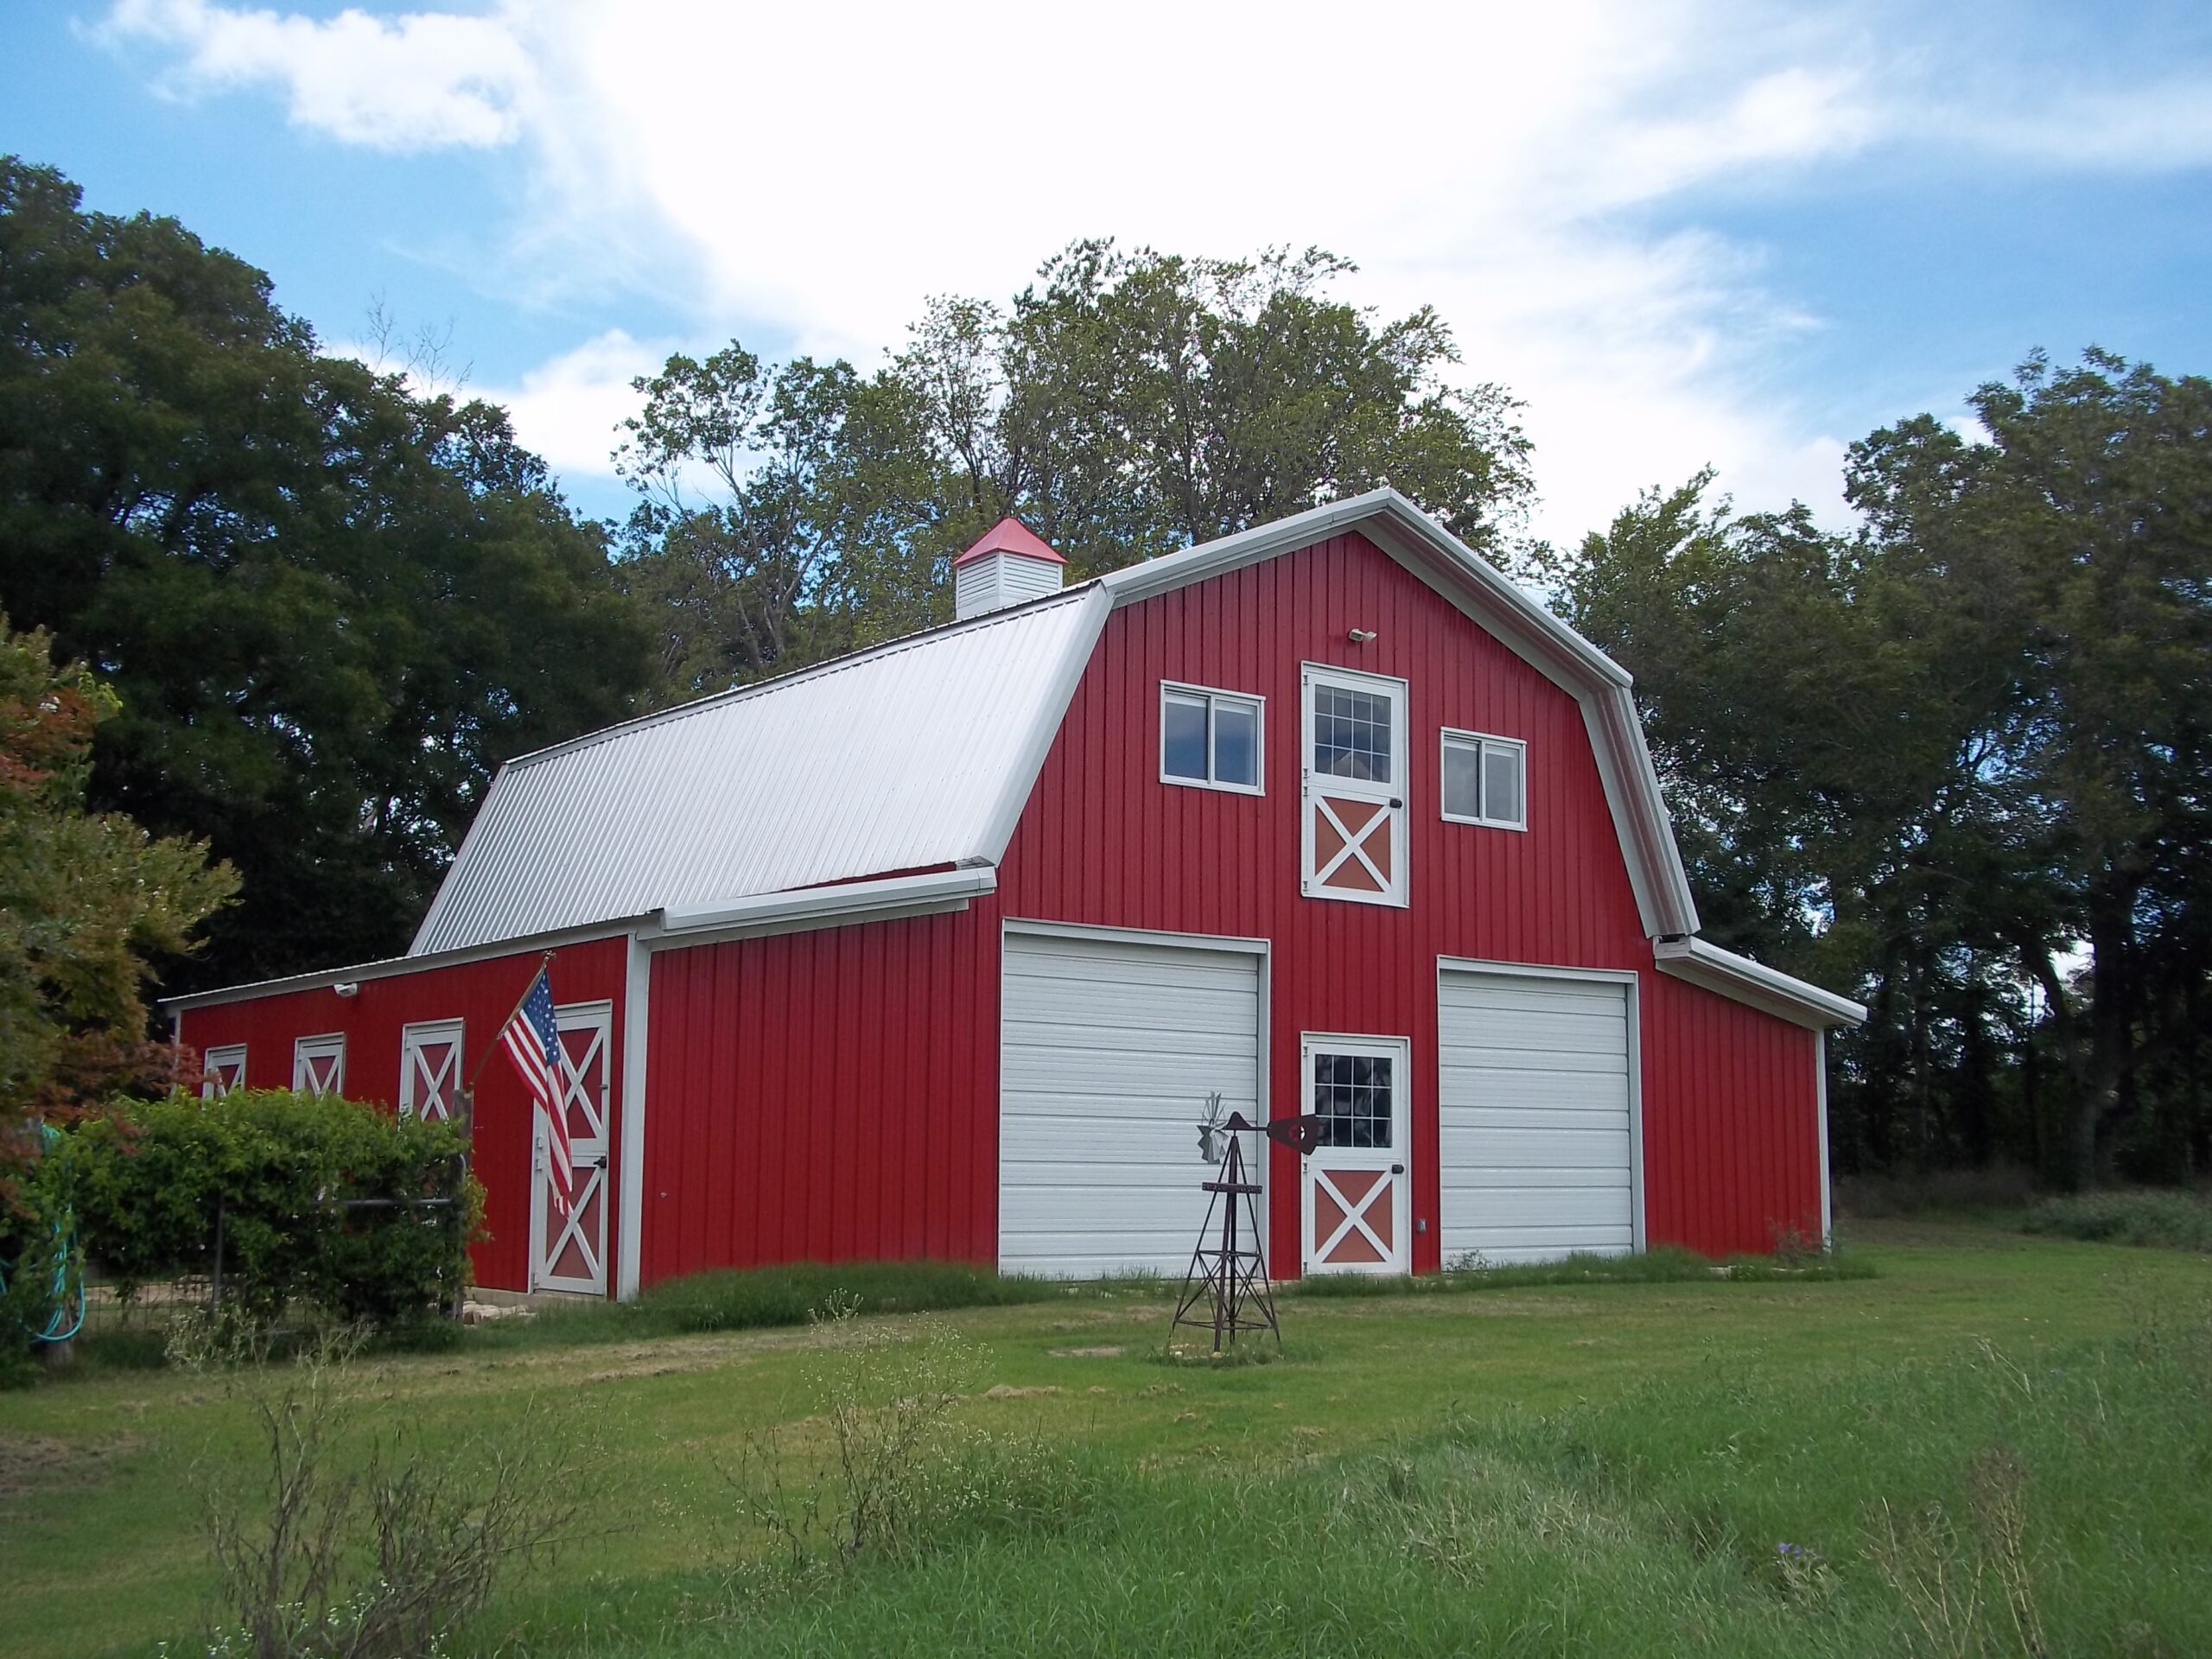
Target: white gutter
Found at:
323, 978
883, 900
1760, 987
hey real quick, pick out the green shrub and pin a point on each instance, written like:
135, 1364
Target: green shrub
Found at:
2174, 1221
314, 1199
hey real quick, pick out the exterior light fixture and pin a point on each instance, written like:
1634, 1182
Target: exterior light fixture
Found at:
1361, 636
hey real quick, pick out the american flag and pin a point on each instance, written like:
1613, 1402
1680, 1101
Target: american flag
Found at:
532, 1040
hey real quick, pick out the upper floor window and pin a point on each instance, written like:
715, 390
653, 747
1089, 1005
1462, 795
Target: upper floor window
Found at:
1210, 738
1485, 780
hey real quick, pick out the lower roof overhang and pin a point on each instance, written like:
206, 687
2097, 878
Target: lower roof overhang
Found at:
881, 899
1766, 989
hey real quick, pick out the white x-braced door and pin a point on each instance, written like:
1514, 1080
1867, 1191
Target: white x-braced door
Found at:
1352, 813
430, 1069
1358, 1191
568, 1245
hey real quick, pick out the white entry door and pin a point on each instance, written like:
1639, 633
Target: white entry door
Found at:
1352, 813
1537, 1107
1359, 1198
569, 1247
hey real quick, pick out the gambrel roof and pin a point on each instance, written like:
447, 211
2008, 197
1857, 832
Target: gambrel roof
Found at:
914, 755
920, 755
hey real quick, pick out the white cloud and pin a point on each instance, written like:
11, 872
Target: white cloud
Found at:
424, 81
568, 410
809, 174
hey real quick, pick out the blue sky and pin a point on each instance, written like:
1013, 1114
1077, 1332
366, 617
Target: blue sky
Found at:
1685, 232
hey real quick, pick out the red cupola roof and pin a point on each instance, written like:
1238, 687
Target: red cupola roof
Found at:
1010, 535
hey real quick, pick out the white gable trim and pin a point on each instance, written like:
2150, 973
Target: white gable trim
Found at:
1499, 606
1766, 989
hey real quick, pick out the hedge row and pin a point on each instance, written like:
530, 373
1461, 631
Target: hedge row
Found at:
365, 1216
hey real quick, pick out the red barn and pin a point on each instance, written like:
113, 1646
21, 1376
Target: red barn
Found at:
941, 948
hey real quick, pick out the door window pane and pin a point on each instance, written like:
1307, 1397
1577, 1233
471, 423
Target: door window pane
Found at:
1352, 733
1351, 1096
1183, 743
1236, 743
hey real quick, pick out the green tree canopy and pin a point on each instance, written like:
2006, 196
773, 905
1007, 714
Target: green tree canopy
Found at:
1940, 756
330, 607
85, 899
1125, 404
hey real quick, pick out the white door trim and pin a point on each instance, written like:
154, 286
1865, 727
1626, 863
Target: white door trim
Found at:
1132, 935
630, 1218
412, 1037
1398, 891
588, 1162
1400, 1179
1634, 984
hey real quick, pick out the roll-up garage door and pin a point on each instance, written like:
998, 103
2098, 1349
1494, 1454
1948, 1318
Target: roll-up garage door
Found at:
1536, 1126
1108, 1049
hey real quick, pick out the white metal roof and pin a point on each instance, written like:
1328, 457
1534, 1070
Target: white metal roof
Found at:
916, 754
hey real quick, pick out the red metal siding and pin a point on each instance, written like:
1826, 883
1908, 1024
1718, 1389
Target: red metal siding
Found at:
826, 1096
835, 1093
1728, 1092
482, 993
1731, 1121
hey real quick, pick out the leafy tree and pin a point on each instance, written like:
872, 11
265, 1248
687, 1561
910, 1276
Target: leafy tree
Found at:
85, 899
2085, 524
1125, 404
330, 607
1935, 758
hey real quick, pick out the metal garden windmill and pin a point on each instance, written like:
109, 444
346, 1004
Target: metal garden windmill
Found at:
1226, 1287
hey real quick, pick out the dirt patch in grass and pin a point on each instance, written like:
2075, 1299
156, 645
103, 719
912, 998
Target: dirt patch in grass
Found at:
29, 1461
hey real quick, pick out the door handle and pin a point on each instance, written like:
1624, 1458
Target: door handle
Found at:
1397, 805
1397, 1169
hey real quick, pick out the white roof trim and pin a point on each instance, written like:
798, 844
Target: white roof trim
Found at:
1761, 987
323, 978
1501, 608
930, 892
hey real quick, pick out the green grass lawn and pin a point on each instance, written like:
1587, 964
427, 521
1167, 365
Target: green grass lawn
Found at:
1547, 1470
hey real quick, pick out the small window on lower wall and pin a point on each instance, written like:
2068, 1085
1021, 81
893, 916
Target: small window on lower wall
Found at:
221, 1069
1210, 739
1485, 780
430, 1069
319, 1065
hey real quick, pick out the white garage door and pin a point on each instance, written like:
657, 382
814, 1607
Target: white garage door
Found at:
1535, 1132
1108, 1049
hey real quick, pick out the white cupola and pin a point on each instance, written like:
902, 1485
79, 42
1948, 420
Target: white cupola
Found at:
1010, 565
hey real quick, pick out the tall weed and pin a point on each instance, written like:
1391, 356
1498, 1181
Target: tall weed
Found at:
350, 1542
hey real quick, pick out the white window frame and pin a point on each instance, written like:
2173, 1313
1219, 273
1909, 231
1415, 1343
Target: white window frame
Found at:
1482, 742
222, 1054
411, 1039
305, 1048
1213, 694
